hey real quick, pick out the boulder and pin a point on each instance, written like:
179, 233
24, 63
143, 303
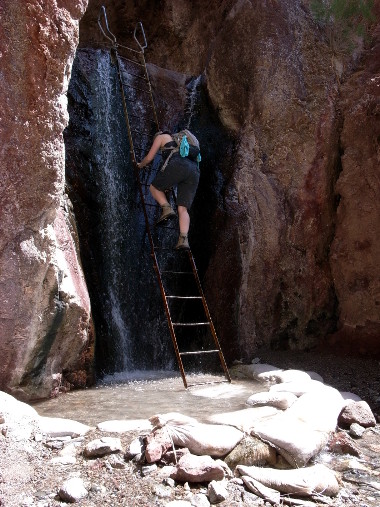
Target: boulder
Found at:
191, 468
73, 490
102, 446
357, 412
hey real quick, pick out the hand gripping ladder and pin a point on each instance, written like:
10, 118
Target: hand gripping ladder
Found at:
135, 86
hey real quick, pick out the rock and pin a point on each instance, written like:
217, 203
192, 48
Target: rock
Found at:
44, 300
341, 443
170, 457
135, 447
156, 444
193, 468
162, 491
22, 420
199, 500
178, 503
281, 401
217, 491
251, 451
356, 241
148, 469
357, 412
73, 490
58, 427
102, 446
123, 426
356, 430
64, 460
116, 461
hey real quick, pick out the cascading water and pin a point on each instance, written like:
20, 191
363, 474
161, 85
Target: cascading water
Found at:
131, 329
130, 323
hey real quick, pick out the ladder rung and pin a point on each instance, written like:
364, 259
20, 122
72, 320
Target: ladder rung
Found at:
133, 75
177, 272
198, 352
183, 297
132, 61
191, 323
135, 87
146, 104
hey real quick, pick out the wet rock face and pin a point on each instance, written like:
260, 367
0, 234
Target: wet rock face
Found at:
269, 77
44, 304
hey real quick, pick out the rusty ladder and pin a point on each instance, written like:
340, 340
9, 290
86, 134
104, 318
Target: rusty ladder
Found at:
141, 124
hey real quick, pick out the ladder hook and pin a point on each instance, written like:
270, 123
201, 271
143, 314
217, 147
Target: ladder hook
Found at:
140, 25
103, 11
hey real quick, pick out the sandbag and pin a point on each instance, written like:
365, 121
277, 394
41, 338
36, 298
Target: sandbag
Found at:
297, 387
244, 419
304, 429
201, 439
281, 401
317, 479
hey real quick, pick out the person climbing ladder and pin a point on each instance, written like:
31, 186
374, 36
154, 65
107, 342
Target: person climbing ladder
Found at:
180, 167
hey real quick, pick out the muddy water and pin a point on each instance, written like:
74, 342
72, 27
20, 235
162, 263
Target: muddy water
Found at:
140, 398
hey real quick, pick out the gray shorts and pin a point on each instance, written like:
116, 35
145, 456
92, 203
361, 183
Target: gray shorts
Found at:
182, 173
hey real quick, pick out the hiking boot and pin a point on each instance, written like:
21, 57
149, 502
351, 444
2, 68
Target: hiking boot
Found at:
183, 243
167, 212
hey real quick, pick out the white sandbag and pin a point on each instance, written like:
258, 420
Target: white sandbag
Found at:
291, 376
244, 419
302, 430
268, 494
175, 418
317, 479
297, 387
201, 439
261, 372
281, 401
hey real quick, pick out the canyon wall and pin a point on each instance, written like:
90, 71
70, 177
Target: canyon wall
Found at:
284, 226
285, 267
44, 303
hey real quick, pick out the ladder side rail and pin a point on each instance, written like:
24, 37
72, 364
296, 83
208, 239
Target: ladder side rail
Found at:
153, 254
208, 315
170, 323
150, 91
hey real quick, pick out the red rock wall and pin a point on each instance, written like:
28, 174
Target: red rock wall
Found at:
355, 252
44, 305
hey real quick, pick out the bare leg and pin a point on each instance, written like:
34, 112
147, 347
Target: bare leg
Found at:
184, 220
158, 195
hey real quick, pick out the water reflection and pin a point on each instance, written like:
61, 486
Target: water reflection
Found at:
140, 398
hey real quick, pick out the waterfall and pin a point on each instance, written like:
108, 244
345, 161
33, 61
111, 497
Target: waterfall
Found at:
130, 324
193, 94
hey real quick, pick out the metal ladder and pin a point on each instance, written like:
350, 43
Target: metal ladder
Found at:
135, 85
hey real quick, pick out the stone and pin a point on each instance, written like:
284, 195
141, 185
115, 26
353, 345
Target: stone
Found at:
357, 412
341, 443
116, 461
193, 468
135, 447
59, 427
356, 430
170, 457
44, 301
199, 500
122, 426
217, 491
251, 451
148, 469
73, 490
156, 444
63, 460
102, 446
162, 491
